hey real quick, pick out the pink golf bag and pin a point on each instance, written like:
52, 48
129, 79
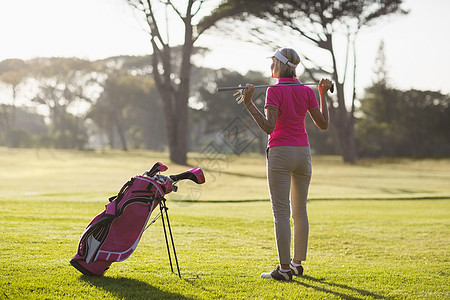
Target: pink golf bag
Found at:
115, 232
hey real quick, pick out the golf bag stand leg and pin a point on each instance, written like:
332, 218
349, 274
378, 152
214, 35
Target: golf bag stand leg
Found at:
163, 208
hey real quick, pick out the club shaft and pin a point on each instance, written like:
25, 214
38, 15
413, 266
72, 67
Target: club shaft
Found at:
233, 88
230, 88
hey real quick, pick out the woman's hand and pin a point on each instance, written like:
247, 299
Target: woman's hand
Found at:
325, 85
320, 115
248, 93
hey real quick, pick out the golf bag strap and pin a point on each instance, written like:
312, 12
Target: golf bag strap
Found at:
122, 190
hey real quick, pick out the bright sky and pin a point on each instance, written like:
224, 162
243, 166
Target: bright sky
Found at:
417, 46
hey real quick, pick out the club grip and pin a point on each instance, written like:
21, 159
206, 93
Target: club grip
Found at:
332, 88
230, 88
194, 174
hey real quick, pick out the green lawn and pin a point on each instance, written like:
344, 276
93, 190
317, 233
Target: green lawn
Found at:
378, 229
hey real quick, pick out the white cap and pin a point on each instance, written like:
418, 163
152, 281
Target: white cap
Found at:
283, 59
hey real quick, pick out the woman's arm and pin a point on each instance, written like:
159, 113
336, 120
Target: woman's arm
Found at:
266, 123
321, 116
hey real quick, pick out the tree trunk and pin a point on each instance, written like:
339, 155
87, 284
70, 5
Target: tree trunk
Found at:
178, 154
177, 131
343, 128
343, 120
119, 128
345, 132
175, 96
123, 140
176, 115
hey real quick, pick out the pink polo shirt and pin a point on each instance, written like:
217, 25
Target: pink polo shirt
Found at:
292, 102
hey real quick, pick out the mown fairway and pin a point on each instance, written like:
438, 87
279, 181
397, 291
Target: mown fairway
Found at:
378, 229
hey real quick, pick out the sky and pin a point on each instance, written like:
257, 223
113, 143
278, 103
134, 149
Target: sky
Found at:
417, 46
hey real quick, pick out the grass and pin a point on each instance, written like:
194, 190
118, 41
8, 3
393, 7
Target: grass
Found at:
378, 229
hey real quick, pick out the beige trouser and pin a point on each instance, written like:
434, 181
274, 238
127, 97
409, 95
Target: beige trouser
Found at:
286, 166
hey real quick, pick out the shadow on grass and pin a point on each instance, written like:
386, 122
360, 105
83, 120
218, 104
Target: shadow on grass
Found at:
127, 288
331, 288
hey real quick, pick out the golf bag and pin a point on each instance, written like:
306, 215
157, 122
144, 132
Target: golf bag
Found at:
115, 232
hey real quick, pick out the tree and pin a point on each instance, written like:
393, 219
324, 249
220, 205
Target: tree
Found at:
219, 114
127, 104
417, 123
319, 23
402, 123
172, 77
12, 72
219, 109
380, 71
64, 82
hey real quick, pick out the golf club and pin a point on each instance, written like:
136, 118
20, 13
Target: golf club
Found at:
240, 95
230, 88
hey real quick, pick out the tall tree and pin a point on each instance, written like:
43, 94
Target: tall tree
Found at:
218, 111
380, 70
12, 72
404, 123
389, 124
62, 83
125, 103
319, 23
171, 75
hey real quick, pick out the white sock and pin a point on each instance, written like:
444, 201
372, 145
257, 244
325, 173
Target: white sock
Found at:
283, 270
295, 264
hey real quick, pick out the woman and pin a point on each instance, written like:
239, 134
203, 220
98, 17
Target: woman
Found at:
288, 155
